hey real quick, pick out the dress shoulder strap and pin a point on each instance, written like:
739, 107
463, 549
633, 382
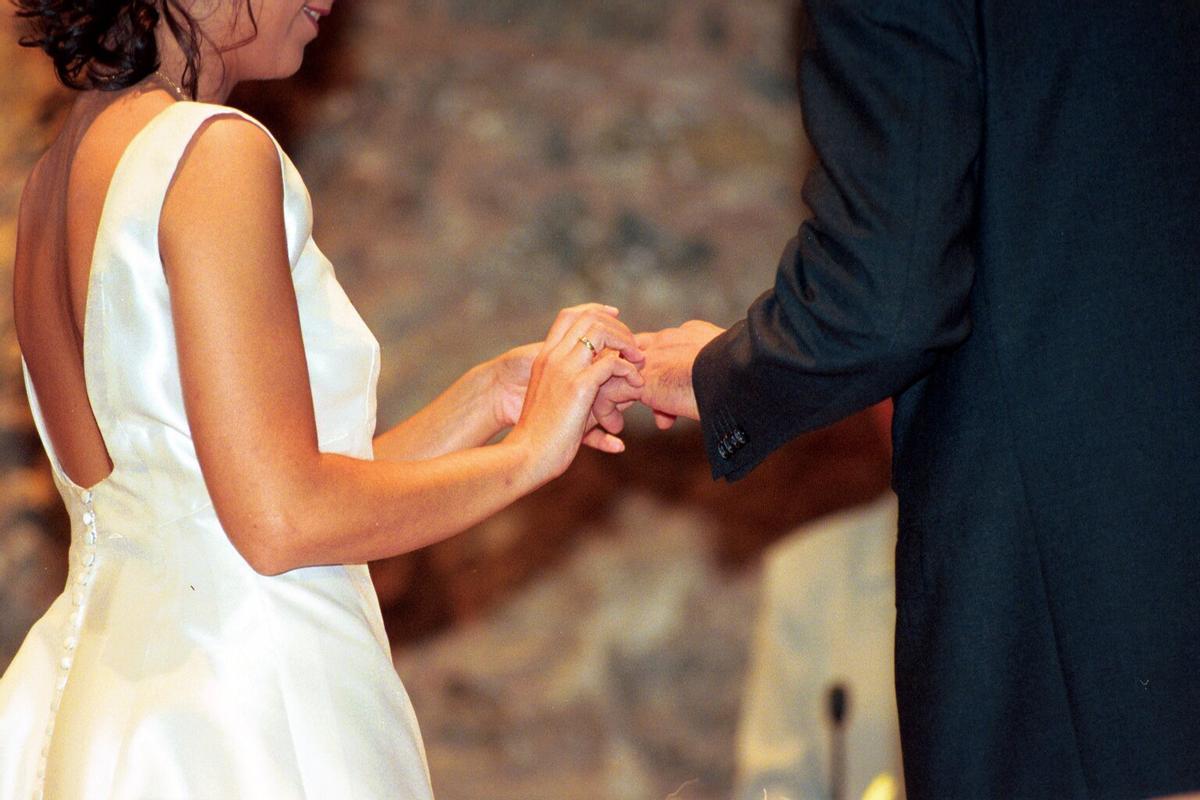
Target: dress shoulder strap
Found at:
146, 169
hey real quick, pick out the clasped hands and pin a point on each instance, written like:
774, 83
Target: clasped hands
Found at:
589, 354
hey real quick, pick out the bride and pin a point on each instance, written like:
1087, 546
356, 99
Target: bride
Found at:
206, 394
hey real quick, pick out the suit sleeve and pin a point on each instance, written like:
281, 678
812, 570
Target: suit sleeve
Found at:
875, 285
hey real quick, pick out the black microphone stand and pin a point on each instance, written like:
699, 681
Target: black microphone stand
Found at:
837, 707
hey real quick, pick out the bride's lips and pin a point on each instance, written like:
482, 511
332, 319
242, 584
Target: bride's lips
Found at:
314, 13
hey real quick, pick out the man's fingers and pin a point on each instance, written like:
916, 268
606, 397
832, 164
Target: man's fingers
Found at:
663, 421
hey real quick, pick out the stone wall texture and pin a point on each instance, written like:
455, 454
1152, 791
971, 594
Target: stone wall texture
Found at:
474, 166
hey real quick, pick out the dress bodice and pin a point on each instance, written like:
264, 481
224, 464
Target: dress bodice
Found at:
130, 359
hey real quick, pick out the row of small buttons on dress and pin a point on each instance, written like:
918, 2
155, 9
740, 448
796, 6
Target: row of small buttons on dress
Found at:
78, 589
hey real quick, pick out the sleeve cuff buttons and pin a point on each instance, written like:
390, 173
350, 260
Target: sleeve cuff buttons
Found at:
730, 436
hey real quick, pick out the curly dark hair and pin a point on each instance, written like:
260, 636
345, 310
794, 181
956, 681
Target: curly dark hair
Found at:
102, 44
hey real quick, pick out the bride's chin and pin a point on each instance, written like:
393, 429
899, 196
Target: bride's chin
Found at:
291, 70
279, 71
293, 66
284, 65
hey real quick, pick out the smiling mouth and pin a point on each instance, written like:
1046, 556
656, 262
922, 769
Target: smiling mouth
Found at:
314, 14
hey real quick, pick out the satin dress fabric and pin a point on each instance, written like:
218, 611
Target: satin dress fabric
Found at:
168, 668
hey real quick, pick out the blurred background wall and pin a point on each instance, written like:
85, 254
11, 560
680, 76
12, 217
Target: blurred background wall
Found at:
474, 166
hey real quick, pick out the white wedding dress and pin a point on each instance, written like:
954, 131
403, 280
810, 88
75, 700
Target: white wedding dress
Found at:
169, 668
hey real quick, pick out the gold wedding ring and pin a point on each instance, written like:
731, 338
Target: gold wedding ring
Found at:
588, 344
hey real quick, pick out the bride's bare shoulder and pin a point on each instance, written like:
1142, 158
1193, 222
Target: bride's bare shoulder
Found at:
228, 146
230, 163
226, 191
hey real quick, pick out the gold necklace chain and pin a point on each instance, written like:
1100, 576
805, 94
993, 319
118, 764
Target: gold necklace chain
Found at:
175, 90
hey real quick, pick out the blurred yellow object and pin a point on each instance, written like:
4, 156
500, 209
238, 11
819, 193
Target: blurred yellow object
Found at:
883, 787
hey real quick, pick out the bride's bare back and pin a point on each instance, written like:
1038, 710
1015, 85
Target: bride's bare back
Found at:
58, 222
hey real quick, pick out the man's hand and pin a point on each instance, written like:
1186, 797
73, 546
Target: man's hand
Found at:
670, 354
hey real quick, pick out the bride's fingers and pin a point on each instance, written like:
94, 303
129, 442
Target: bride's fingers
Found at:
610, 365
569, 316
608, 418
616, 395
599, 439
620, 338
602, 333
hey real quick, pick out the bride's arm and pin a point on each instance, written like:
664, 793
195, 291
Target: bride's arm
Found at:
283, 503
464, 415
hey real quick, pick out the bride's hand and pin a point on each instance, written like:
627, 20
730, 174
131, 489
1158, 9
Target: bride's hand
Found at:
510, 381
566, 379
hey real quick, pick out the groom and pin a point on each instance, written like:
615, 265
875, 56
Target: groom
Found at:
1006, 239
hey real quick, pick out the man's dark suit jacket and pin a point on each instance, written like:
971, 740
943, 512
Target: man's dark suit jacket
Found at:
1006, 238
